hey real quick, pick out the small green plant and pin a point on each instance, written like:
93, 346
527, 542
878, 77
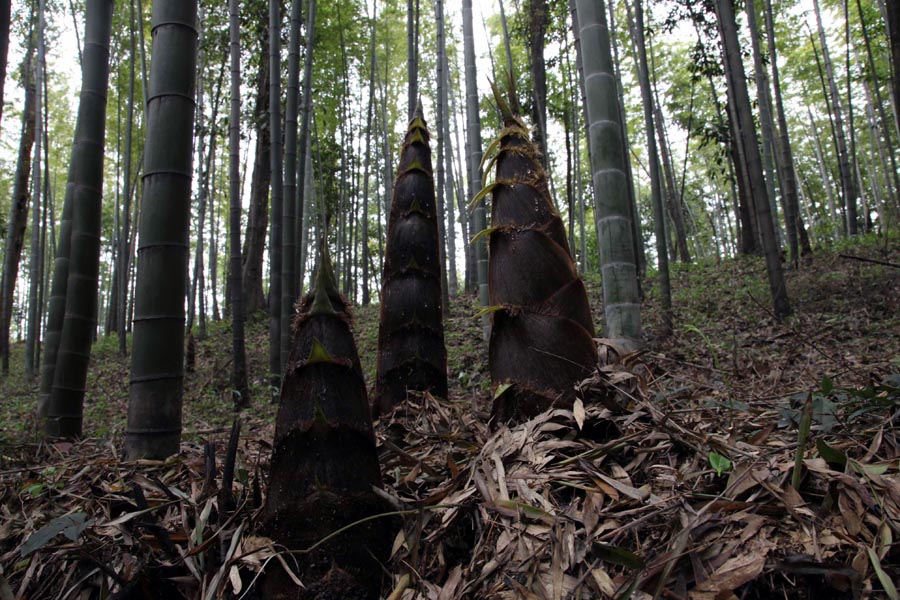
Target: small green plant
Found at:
719, 463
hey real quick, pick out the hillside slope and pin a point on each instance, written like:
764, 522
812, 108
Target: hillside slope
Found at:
673, 475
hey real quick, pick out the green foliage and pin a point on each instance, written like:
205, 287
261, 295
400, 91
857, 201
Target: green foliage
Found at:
719, 463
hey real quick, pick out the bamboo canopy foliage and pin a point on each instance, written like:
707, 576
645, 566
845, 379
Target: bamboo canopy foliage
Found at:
324, 463
411, 352
542, 334
157, 360
65, 409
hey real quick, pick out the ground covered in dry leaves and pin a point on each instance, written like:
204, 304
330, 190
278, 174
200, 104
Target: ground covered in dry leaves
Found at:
671, 478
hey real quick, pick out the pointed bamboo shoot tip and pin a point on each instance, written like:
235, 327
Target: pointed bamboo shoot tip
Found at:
420, 113
513, 96
326, 284
501, 102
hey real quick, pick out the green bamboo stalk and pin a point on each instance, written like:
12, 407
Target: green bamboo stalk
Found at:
157, 362
64, 412
618, 264
239, 384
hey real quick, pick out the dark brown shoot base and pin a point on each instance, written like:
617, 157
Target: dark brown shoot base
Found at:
542, 335
324, 462
411, 351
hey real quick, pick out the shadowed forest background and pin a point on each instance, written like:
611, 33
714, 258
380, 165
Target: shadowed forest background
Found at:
526, 299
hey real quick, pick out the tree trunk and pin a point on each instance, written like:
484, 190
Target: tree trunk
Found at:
258, 219
289, 287
214, 246
368, 162
579, 65
510, 65
445, 153
42, 268
5, 17
673, 199
412, 55
893, 175
856, 177
64, 414
621, 300
157, 361
766, 126
750, 242
34, 268
240, 388
639, 252
839, 223
276, 251
125, 249
388, 177
786, 155
18, 214
473, 162
456, 165
825, 175
538, 18
568, 134
304, 144
737, 81
847, 185
204, 173
893, 26
111, 320
57, 302
444, 246
195, 276
662, 255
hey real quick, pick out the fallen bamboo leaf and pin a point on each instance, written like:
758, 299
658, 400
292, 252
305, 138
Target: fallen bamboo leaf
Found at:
578, 413
889, 588
71, 525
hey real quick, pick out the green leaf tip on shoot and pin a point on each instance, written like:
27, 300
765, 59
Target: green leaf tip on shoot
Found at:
326, 284
319, 354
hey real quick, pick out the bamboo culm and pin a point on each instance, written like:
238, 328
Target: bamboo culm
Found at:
157, 361
65, 410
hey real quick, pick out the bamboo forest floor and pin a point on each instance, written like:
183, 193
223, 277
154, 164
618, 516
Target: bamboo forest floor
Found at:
672, 479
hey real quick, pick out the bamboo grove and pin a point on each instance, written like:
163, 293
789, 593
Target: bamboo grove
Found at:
631, 135
144, 142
